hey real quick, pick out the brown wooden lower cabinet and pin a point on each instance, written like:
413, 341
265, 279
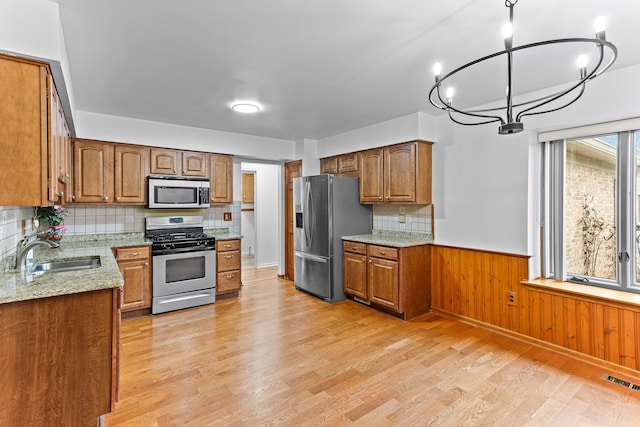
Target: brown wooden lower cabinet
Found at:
396, 280
135, 267
59, 359
228, 267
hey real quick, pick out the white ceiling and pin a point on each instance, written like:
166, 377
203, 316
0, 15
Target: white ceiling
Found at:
318, 67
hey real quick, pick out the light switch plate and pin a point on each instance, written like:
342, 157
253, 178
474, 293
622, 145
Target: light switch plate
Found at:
402, 218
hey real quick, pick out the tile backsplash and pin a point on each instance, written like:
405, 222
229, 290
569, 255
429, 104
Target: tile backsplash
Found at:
92, 219
418, 218
11, 227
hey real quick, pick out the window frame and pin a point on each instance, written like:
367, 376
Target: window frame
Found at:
554, 263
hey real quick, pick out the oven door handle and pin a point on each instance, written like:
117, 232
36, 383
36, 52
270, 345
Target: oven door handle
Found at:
184, 298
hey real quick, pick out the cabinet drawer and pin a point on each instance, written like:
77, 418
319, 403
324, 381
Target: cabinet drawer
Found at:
354, 247
227, 245
228, 281
124, 254
228, 261
383, 252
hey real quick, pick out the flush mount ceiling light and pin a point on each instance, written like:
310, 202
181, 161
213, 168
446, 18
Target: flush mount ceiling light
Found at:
509, 114
245, 108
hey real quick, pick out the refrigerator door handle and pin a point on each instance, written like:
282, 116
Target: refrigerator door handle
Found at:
311, 257
307, 213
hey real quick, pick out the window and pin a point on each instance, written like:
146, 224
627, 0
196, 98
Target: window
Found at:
591, 205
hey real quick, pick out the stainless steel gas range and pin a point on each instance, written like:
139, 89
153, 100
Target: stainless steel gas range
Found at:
184, 263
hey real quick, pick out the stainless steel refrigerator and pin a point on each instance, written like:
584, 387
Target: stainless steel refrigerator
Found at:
326, 207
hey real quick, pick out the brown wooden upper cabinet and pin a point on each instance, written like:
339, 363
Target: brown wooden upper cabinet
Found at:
33, 131
105, 172
194, 164
398, 173
329, 165
221, 175
247, 187
344, 164
178, 163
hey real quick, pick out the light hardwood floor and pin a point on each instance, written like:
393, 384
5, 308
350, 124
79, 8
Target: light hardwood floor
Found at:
277, 356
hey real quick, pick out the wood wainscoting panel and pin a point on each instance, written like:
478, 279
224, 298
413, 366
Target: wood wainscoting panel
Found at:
474, 284
492, 289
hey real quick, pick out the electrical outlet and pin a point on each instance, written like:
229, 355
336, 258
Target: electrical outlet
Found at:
512, 298
402, 218
227, 216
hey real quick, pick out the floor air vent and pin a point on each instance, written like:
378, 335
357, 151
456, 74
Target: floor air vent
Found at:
621, 382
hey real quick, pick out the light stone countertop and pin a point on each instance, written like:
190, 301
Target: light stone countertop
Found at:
394, 239
222, 234
22, 285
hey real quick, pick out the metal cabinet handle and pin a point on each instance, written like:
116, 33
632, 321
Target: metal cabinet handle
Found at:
133, 254
382, 252
353, 248
174, 171
379, 197
117, 197
60, 194
387, 197
228, 246
73, 197
105, 198
146, 263
66, 175
228, 256
370, 261
229, 276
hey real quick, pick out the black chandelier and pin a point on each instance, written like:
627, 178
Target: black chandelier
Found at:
509, 114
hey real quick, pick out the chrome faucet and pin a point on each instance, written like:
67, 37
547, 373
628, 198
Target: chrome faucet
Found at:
24, 246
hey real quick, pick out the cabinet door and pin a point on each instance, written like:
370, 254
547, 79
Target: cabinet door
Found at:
130, 171
23, 133
400, 173
247, 187
329, 165
137, 289
194, 164
92, 171
55, 146
371, 180
348, 163
221, 178
383, 283
354, 270
165, 162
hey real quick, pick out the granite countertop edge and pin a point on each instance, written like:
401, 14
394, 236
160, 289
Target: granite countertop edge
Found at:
21, 285
392, 239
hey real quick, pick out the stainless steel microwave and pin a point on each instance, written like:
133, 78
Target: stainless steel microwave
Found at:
166, 192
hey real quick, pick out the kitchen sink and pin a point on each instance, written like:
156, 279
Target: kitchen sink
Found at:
72, 264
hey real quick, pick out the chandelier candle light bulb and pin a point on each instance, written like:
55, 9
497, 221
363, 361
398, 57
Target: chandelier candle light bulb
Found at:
510, 114
601, 26
437, 70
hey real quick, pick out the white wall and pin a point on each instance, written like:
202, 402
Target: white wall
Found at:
405, 128
486, 186
144, 132
267, 213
